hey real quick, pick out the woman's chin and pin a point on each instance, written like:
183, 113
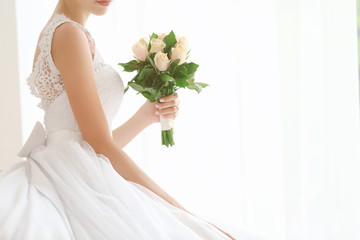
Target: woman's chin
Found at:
100, 12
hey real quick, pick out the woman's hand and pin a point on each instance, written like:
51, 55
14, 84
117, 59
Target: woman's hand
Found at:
169, 108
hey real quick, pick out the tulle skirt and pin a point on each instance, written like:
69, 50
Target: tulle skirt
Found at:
65, 190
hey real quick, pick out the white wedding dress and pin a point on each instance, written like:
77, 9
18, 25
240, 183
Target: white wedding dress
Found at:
65, 190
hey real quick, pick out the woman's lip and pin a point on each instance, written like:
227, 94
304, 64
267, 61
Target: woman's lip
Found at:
104, 3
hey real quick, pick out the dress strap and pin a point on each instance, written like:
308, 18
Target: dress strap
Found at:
46, 40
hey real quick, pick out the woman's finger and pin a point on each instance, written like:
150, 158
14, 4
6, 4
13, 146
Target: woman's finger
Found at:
171, 103
171, 115
167, 110
169, 97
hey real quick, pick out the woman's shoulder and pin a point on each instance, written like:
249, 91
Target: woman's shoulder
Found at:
68, 32
60, 26
69, 39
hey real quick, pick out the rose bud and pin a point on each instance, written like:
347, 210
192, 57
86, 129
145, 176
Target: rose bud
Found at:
183, 41
157, 45
140, 50
162, 62
178, 53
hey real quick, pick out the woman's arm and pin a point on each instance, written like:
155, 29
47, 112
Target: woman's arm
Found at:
131, 128
72, 57
145, 116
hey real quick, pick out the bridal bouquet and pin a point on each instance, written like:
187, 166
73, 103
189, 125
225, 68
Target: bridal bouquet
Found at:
161, 70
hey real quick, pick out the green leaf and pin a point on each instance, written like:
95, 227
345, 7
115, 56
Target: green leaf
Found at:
197, 87
181, 82
149, 60
180, 72
158, 83
155, 81
191, 81
152, 98
136, 77
142, 89
191, 67
187, 54
150, 78
202, 84
158, 92
137, 87
152, 91
146, 94
170, 41
151, 37
173, 66
131, 66
127, 87
145, 72
166, 77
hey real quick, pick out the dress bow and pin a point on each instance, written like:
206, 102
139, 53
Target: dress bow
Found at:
37, 175
37, 138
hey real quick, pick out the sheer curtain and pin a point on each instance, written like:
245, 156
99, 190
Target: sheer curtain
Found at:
322, 158
272, 145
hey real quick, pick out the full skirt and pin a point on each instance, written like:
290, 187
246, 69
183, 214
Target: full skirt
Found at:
65, 190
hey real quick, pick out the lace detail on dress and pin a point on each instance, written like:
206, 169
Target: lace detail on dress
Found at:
45, 80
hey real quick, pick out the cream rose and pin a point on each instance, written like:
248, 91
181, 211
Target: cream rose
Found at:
140, 50
157, 45
162, 62
144, 41
183, 41
162, 35
179, 52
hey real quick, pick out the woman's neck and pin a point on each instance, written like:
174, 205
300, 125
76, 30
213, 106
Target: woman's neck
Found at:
72, 10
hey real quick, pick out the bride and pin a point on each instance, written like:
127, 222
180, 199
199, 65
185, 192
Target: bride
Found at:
77, 182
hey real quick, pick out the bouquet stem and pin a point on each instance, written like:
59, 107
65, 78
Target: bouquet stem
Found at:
167, 131
167, 138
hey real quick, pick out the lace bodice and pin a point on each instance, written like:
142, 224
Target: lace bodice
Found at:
45, 82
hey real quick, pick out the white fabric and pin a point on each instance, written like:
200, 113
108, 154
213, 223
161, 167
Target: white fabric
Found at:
65, 190
166, 123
